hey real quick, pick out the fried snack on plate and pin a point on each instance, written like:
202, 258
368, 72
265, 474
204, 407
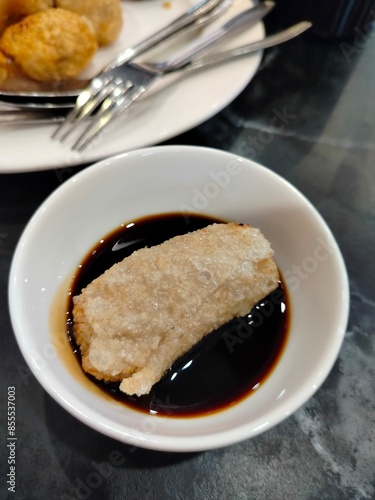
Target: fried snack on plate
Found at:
8, 69
3, 68
105, 16
142, 314
51, 45
3, 15
22, 8
12, 11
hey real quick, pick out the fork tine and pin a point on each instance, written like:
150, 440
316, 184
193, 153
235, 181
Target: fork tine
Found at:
145, 76
115, 104
83, 98
86, 103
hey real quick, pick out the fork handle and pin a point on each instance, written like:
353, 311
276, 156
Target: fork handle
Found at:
270, 41
235, 25
178, 25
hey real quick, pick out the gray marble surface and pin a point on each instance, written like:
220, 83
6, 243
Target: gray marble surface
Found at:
325, 92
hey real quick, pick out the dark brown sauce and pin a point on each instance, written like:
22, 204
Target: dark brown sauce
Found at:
227, 365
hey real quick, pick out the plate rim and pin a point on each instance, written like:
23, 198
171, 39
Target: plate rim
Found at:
60, 157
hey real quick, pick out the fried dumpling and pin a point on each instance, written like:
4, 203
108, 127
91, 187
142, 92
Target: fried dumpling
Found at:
51, 45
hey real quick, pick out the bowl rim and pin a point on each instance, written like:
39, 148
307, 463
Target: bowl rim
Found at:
155, 441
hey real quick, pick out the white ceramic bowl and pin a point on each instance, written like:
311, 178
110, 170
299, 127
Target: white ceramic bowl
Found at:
169, 179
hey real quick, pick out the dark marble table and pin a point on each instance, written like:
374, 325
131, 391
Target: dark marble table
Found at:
325, 93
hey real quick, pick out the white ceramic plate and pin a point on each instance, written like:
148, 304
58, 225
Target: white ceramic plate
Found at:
180, 107
168, 179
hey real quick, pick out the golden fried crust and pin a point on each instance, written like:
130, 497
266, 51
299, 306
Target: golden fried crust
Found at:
3, 15
8, 69
105, 15
51, 45
3, 68
13, 11
145, 312
24, 8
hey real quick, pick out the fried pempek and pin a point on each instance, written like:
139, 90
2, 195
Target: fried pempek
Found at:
145, 312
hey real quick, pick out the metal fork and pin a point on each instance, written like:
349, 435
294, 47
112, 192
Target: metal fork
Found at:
194, 17
128, 82
13, 116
